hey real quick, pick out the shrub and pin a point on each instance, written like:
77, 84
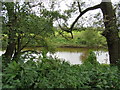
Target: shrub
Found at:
91, 38
53, 73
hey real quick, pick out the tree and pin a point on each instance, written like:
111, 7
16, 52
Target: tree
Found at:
11, 31
111, 32
111, 29
22, 26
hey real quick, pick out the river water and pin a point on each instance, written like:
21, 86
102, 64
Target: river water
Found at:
77, 55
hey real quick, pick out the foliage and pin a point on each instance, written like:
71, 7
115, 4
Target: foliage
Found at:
30, 27
22, 26
91, 59
92, 37
87, 38
81, 38
53, 73
33, 29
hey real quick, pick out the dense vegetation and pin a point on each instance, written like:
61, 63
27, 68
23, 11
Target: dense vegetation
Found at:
54, 73
81, 39
25, 27
89, 37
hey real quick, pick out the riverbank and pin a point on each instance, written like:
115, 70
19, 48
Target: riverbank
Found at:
73, 46
82, 39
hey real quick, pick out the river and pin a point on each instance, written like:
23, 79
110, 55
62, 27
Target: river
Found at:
77, 55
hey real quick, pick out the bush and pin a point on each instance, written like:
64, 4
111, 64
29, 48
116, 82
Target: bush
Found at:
91, 38
53, 73
91, 59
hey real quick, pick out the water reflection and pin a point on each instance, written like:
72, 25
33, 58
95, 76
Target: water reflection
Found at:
78, 55
2, 52
84, 55
102, 57
72, 57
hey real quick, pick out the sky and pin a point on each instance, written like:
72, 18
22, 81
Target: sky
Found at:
90, 14
88, 17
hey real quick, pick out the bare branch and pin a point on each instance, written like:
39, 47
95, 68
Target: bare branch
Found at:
65, 29
69, 30
79, 7
39, 4
83, 12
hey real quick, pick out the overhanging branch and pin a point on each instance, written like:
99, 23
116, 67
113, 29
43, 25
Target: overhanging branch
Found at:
83, 12
69, 30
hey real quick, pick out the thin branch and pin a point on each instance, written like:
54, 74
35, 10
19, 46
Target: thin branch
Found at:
39, 4
27, 42
61, 33
65, 29
79, 7
83, 12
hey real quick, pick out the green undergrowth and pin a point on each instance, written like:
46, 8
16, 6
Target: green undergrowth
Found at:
54, 73
87, 38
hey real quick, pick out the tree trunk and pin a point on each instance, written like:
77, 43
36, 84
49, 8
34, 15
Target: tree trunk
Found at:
10, 50
111, 32
11, 34
18, 47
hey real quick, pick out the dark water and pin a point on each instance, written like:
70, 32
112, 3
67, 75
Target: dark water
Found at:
77, 55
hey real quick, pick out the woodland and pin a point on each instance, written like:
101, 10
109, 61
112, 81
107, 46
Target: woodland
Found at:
41, 24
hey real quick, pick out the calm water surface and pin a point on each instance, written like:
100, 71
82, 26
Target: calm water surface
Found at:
77, 55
